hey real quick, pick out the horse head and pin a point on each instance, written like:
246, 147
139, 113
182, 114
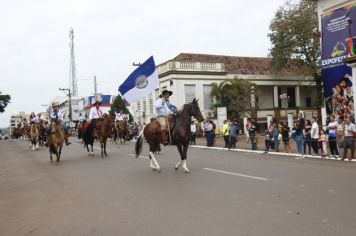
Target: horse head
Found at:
196, 113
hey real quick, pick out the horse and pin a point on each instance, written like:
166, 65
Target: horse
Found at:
34, 137
180, 134
103, 127
87, 136
42, 130
56, 140
122, 131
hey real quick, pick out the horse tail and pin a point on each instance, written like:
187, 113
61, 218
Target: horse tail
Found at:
139, 143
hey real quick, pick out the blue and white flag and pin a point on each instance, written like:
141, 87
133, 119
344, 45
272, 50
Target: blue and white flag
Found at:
140, 82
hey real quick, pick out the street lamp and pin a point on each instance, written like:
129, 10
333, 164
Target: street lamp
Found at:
284, 99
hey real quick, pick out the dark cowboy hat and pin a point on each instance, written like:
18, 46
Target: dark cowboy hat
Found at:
164, 92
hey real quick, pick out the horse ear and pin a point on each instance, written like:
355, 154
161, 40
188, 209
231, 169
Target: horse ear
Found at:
194, 100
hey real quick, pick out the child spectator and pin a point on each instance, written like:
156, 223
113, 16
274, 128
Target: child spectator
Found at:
323, 139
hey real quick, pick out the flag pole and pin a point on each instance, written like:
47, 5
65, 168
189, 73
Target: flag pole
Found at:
165, 109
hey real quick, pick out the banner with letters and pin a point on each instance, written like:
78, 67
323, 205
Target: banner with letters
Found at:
338, 28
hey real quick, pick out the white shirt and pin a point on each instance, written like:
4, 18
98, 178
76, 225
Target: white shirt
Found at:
55, 114
162, 108
314, 131
349, 129
332, 126
119, 116
193, 128
95, 113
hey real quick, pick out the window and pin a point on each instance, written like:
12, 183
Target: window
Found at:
207, 99
189, 91
291, 94
308, 102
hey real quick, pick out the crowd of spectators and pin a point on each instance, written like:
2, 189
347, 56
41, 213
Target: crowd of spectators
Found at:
306, 136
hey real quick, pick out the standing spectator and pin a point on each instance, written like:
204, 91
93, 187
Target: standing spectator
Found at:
332, 127
307, 137
314, 132
322, 140
298, 137
208, 130
247, 126
252, 134
349, 131
268, 139
285, 136
226, 133
193, 131
276, 137
301, 121
213, 133
233, 135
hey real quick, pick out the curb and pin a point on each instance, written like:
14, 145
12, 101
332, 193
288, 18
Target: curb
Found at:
297, 156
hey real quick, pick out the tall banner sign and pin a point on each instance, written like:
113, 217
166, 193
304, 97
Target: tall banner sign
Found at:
338, 29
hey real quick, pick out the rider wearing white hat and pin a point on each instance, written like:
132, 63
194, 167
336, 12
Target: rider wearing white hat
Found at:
56, 115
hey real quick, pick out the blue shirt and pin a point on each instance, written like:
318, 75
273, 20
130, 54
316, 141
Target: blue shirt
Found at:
163, 108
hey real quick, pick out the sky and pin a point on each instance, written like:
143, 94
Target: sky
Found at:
109, 35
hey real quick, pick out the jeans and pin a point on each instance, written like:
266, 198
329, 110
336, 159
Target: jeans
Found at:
253, 141
307, 142
333, 146
298, 141
276, 143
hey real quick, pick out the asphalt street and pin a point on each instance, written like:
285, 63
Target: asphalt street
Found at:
226, 193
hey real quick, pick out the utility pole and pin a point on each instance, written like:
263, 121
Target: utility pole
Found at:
72, 68
68, 93
95, 86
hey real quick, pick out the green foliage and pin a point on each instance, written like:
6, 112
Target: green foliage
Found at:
119, 103
235, 95
294, 35
4, 100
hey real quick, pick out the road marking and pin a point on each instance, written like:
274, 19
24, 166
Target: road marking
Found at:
237, 174
143, 157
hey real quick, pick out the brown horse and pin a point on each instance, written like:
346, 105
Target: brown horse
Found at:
103, 127
34, 137
180, 133
122, 131
56, 140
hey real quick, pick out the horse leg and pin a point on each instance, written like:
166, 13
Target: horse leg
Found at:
154, 163
102, 149
184, 158
50, 153
180, 150
105, 149
92, 151
38, 144
58, 154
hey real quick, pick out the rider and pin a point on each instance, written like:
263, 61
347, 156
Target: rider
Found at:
34, 119
164, 108
119, 117
95, 113
54, 115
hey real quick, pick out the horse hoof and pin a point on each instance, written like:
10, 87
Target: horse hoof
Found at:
187, 171
176, 168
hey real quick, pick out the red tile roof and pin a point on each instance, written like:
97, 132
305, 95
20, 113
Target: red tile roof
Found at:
243, 65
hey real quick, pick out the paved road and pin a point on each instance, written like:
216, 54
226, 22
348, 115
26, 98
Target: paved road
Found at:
226, 193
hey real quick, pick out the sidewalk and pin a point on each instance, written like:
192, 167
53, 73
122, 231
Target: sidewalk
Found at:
243, 146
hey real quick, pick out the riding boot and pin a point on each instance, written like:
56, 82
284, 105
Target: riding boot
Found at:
46, 142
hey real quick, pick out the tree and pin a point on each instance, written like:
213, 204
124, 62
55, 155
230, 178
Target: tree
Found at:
4, 100
119, 103
234, 95
294, 35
